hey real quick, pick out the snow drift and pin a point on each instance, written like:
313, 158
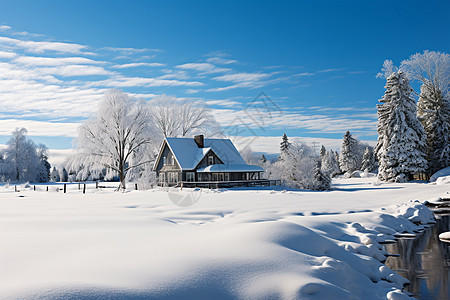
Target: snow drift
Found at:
242, 243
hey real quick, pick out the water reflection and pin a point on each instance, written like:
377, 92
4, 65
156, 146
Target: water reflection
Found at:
424, 261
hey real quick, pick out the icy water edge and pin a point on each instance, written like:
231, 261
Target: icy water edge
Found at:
424, 261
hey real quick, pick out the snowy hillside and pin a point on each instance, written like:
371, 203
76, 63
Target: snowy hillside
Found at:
246, 244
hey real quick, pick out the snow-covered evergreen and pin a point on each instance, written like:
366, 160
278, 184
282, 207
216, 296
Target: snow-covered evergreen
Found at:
54, 175
323, 151
322, 181
63, 175
284, 145
432, 70
348, 157
296, 168
368, 160
401, 138
330, 165
433, 111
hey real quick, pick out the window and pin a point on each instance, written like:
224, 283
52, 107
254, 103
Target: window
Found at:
172, 177
214, 176
164, 160
162, 177
221, 177
190, 176
210, 160
227, 176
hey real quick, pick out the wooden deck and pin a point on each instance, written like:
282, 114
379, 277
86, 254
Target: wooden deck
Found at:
227, 184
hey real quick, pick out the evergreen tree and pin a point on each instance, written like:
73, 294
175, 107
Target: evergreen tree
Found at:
64, 175
263, 158
322, 181
323, 151
55, 175
284, 145
367, 160
401, 138
348, 158
330, 165
44, 165
433, 111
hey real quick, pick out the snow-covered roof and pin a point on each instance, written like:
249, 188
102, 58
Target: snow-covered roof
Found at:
230, 168
188, 154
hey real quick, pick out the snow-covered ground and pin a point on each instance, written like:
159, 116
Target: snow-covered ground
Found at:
242, 243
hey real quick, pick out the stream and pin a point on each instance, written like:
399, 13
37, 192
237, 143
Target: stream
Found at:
424, 261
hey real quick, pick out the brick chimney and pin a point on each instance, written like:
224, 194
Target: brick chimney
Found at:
199, 140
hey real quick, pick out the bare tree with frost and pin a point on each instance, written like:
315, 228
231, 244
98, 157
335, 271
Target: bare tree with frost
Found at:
182, 118
115, 136
401, 138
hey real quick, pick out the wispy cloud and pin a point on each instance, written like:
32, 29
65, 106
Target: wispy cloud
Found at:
131, 51
4, 27
221, 60
123, 81
241, 80
205, 68
55, 61
41, 47
134, 65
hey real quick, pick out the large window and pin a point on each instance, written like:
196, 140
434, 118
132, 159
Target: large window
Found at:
172, 177
210, 160
221, 177
190, 176
214, 176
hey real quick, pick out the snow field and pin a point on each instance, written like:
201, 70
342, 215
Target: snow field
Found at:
240, 243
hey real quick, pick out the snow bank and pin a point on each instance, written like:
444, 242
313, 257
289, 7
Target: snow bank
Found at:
445, 236
232, 244
441, 173
443, 180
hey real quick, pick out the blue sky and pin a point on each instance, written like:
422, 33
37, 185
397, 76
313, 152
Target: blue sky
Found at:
316, 60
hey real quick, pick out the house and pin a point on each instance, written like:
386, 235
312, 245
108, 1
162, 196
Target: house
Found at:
203, 162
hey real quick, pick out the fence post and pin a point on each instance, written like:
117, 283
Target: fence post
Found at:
34, 187
47, 188
84, 188
79, 186
15, 188
135, 186
64, 188
96, 184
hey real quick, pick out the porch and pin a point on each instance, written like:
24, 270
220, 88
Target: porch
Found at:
226, 184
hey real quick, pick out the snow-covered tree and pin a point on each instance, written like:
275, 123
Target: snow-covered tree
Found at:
295, 167
330, 164
55, 175
178, 119
114, 138
322, 181
387, 69
367, 160
64, 175
44, 165
284, 145
323, 151
401, 138
21, 160
349, 160
432, 69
